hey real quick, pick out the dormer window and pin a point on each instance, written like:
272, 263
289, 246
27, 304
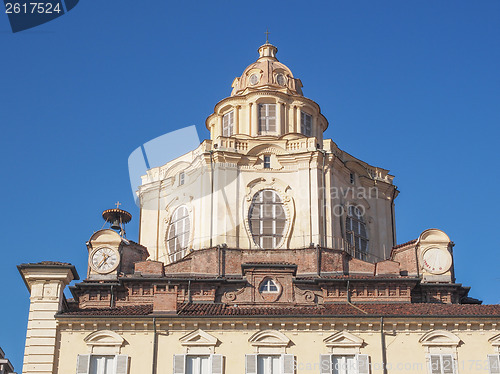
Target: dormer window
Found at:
267, 118
228, 123
267, 162
268, 286
305, 124
182, 178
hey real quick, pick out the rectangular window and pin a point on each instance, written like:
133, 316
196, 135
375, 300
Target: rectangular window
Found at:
441, 364
102, 364
269, 364
494, 364
305, 124
267, 162
182, 178
344, 364
228, 123
197, 364
267, 118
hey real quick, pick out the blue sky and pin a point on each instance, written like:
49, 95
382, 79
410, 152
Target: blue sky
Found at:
413, 87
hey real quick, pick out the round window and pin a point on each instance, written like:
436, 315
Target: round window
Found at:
281, 80
254, 79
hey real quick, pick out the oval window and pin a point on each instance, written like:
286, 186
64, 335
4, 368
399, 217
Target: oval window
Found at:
267, 219
178, 230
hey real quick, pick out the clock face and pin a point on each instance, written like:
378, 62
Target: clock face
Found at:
104, 260
436, 260
254, 79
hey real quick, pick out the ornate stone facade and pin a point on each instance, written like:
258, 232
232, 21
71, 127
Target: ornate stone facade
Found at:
266, 250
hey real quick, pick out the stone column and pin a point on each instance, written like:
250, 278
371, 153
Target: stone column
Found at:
254, 120
46, 282
218, 130
236, 120
279, 119
297, 122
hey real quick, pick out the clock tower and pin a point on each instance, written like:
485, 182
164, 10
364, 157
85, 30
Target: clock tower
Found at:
110, 252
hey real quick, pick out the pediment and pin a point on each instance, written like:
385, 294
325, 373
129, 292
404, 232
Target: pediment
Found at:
104, 337
199, 338
269, 338
495, 340
440, 338
434, 236
266, 149
343, 339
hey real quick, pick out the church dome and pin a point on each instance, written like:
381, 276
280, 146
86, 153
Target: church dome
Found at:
267, 73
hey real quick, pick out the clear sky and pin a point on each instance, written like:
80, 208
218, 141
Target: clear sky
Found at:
409, 86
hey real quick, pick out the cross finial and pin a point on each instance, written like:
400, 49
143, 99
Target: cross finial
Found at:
267, 36
118, 205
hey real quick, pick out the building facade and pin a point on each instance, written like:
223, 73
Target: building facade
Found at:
266, 250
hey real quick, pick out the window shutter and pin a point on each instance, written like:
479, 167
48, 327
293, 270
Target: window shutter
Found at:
121, 364
287, 364
363, 364
82, 364
216, 364
179, 364
435, 364
250, 364
494, 364
448, 364
325, 364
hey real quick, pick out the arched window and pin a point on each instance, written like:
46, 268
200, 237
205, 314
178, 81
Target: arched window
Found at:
267, 219
356, 232
268, 286
178, 230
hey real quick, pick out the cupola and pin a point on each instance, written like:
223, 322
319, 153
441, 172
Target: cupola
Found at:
267, 101
267, 73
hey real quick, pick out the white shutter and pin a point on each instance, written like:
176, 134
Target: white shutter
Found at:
494, 364
435, 364
363, 364
325, 364
216, 364
82, 364
179, 364
287, 364
250, 364
121, 364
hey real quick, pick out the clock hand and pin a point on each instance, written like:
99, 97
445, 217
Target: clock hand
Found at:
105, 258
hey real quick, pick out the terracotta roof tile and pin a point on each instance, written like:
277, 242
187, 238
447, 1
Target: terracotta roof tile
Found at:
208, 309
405, 244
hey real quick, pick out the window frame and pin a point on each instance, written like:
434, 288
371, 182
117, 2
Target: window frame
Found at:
286, 363
267, 123
267, 284
306, 128
267, 161
326, 363
184, 234
215, 363
355, 225
258, 235
228, 124
491, 358
84, 363
441, 366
